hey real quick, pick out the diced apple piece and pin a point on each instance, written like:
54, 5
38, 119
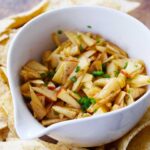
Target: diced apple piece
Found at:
72, 50
65, 111
63, 72
120, 98
92, 91
25, 89
77, 84
37, 106
101, 82
32, 70
120, 62
29, 75
37, 82
83, 115
35, 66
54, 60
51, 121
136, 92
51, 114
46, 92
88, 84
132, 66
101, 110
87, 77
103, 57
41, 98
96, 65
111, 68
51, 86
45, 57
121, 79
100, 48
73, 94
64, 96
55, 39
84, 64
88, 54
115, 107
88, 40
110, 87
109, 98
73, 37
139, 81
115, 49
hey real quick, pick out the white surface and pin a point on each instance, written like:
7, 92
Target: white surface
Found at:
34, 38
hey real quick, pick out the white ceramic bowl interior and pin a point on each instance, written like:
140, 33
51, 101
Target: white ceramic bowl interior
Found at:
35, 37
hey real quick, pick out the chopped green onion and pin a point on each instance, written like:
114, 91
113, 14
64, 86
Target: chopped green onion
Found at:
106, 76
98, 73
81, 48
104, 67
45, 83
85, 102
73, 79
95, 110
47, 76
125, 66
50, 74
77, 69
43, 75
89, 26
116, 72
93, 101
59, 31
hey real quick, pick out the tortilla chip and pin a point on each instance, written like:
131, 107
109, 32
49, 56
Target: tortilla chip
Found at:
3, 134
122, 5
3, 119
3, 124
7, 129
7, 105
3, 37
35, 145
5, 46
68, 147
123, 143
5, 24
142, 139
3, 75
20, 19
23, 145
3, 54
11, 136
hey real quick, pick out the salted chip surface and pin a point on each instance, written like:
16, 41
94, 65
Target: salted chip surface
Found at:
20, 19
122, 5
133, 137
137, 136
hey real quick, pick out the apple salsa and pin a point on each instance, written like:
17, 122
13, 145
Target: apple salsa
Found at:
84, 76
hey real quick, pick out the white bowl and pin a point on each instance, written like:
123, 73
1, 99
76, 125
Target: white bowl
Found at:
34, 38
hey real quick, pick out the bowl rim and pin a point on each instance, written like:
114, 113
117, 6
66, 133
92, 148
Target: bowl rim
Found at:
108, 114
